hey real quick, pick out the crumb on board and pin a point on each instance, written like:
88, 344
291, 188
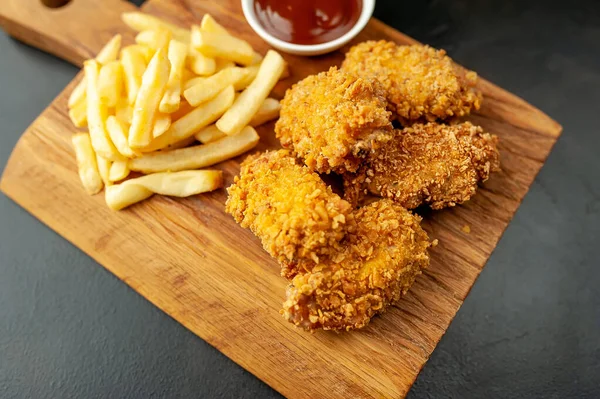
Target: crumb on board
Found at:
466, 228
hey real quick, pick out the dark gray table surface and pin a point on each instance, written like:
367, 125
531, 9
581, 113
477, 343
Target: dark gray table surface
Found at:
529, 328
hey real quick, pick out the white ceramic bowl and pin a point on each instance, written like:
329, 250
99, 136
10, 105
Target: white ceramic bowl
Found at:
308, 49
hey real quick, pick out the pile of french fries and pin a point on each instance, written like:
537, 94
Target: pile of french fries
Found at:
147, 105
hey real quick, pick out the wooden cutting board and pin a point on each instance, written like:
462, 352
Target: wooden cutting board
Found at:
195, 263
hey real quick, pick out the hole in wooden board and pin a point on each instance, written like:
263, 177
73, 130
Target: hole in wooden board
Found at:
55, 3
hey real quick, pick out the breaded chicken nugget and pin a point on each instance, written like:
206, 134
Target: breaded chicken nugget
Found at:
439, 165
293, 212
333, 120
422, 83
380, 260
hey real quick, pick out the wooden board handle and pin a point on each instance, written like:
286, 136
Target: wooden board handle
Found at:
73, 30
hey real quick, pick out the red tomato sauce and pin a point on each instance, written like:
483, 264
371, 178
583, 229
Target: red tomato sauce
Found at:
307, 21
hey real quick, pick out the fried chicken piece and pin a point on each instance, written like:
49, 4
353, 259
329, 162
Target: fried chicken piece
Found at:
439, 165
293, 212
383, 254
422, 83
333, 120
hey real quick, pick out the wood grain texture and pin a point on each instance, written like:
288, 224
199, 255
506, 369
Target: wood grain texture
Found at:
73, 32
191, 260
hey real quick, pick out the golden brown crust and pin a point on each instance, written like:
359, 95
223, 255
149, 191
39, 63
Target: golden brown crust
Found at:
355, 189
435, 164
294, 213
332, 120
422, 83
382, 255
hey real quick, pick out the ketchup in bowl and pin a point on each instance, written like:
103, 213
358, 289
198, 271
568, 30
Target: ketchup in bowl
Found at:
307, 21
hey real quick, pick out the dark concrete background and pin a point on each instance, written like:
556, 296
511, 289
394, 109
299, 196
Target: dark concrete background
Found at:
530, 327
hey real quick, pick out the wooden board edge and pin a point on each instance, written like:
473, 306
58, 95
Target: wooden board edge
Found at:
538, 120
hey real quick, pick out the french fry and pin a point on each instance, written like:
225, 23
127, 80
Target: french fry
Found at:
86, 163
209, 134
221, 64
246, 105
103, 169
78, 94
268, 111
110, 83
199, 117
187, 74
140, 22
118, 171
222, 46
155, 38
78, 114
178, 184
213, 85
122, 195
200, 64
161, 124
134, 65
97, 114
177, 53
184, 109
152, 89
199, 156
124, 111
250, 76
180, 144
146, 51
109, 53
193, 82
252, 72
209, 24
117, 132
